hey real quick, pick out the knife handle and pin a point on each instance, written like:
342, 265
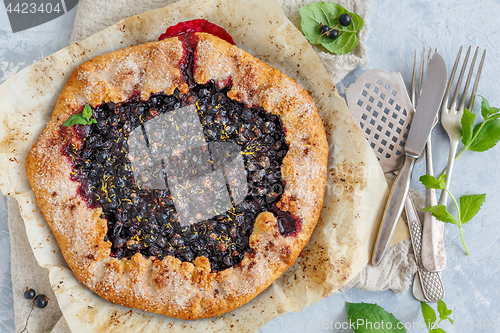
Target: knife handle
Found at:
393, 210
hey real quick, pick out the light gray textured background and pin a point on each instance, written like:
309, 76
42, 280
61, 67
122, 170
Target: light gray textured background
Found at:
396, 29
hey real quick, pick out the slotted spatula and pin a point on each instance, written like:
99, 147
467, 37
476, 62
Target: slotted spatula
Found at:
379, 103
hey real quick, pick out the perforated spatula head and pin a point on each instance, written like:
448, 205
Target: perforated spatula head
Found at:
379, 102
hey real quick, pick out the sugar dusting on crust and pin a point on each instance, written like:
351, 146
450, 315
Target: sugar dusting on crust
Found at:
255, 83
63, 203
169, 286
150, 69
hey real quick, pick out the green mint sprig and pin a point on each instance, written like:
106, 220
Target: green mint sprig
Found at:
430, 317
84, 118
484, 135
317, 14
469, 205
478, 138
364, 317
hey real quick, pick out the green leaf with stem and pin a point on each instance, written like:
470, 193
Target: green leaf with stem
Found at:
87, 112
469, 205
495, 116
317, 14
484, 135
369, 315
441, 213
444, 312
83, 118
448, 220
429, 315
76, 119
467, 122
433, 182
485, 107
480, 137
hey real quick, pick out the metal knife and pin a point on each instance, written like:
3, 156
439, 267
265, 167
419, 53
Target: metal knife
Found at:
427, 108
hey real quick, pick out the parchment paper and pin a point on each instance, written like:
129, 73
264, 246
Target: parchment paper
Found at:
356, 190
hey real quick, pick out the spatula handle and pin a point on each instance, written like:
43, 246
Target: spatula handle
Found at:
393, 210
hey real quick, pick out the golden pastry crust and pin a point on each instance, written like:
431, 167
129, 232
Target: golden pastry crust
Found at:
168, 286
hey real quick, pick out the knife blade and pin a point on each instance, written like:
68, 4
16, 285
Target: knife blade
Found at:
428, 105
421, 126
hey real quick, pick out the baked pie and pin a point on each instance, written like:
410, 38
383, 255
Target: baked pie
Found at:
194, 181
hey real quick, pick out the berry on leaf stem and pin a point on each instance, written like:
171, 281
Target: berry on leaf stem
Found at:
29, 293
334, 33
324, 29
317, 14
345, 19
41, 301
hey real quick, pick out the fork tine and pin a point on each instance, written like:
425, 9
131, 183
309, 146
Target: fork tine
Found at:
421, 74
464, 95
474, 89
428, 63
459, 81
413, 80
450, 82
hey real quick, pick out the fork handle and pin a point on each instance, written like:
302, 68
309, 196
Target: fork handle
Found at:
433, 251
393, 210
427, 286
449, 169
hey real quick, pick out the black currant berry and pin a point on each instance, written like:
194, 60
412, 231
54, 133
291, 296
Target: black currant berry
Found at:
41, 301
345, 19
324, 29
29, 293
333, 34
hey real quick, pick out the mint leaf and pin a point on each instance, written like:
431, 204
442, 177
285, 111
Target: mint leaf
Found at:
312, 16
326, 13
365, 315
485, 107
470, 206
444, 312
486, 110
83, 118
493, 112
344, 43
433, 182
487, 135
429, 315
467, 122
441, 213
494, 116
87, 112
76, 119
356, 25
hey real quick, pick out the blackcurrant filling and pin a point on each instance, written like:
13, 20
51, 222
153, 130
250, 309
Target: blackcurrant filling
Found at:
147, 218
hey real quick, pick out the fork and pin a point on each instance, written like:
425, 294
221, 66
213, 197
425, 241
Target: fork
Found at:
451, 117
